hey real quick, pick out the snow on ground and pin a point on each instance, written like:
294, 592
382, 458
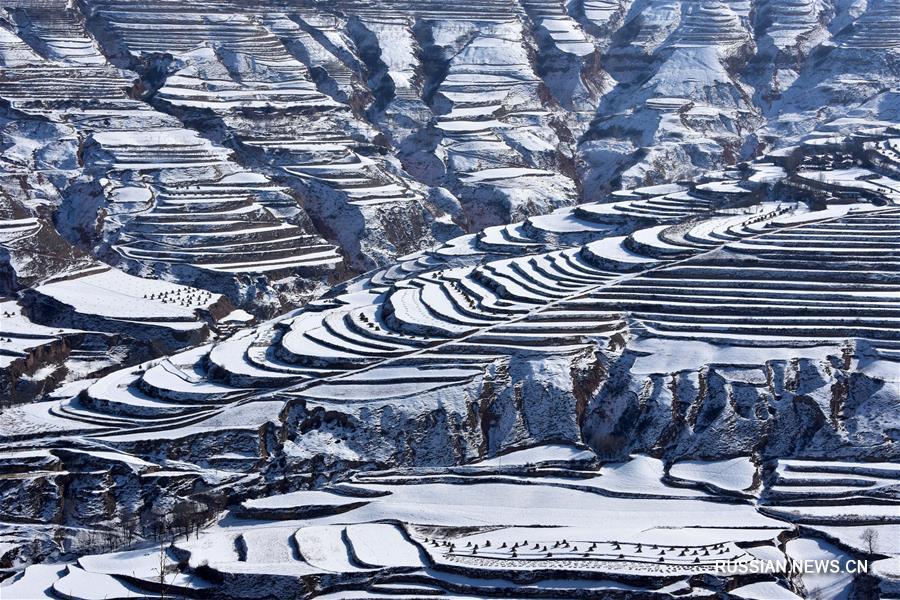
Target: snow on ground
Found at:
34, 419
563, 221
650, 236
840, 513
84, 585
136, 463
142, 561
18, 334
15, 230
639, 475
383, 544
764, 590
834, 586
215, 546
851, 536
300, 498
112, 293
536, 455
544, 505
324, 547
611, 248
688, 535
735, 474
767, 173
659, 355
887, 567
502, 173
628, 501
34, 583
238, 416
237, 316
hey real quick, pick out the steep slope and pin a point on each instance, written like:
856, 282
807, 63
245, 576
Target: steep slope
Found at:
386, 128
146, 193
359, 293
683, 323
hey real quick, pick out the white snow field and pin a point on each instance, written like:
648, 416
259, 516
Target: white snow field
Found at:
473, 299
752, 294
471, 534
418, 531
112, 293
736, 474
538, 455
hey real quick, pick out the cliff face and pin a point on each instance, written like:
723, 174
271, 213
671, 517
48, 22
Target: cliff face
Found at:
827, 407
822, 407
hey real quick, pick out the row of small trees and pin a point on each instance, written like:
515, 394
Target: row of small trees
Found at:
185, 518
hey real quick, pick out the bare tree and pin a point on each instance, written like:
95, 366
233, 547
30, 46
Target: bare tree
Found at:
159, 526
129, 523
164, 569
186, 517
869, 537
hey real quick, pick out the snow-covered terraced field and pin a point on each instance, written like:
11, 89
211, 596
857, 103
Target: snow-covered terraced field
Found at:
561, 27
790, 22
404, 299
729, 304
69, 327
413, 530
19, 335
109, 300
317, 155
286, 85
177, 202
877, 27
774, 277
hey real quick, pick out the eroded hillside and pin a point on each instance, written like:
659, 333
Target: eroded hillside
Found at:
477, 299
699, 350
